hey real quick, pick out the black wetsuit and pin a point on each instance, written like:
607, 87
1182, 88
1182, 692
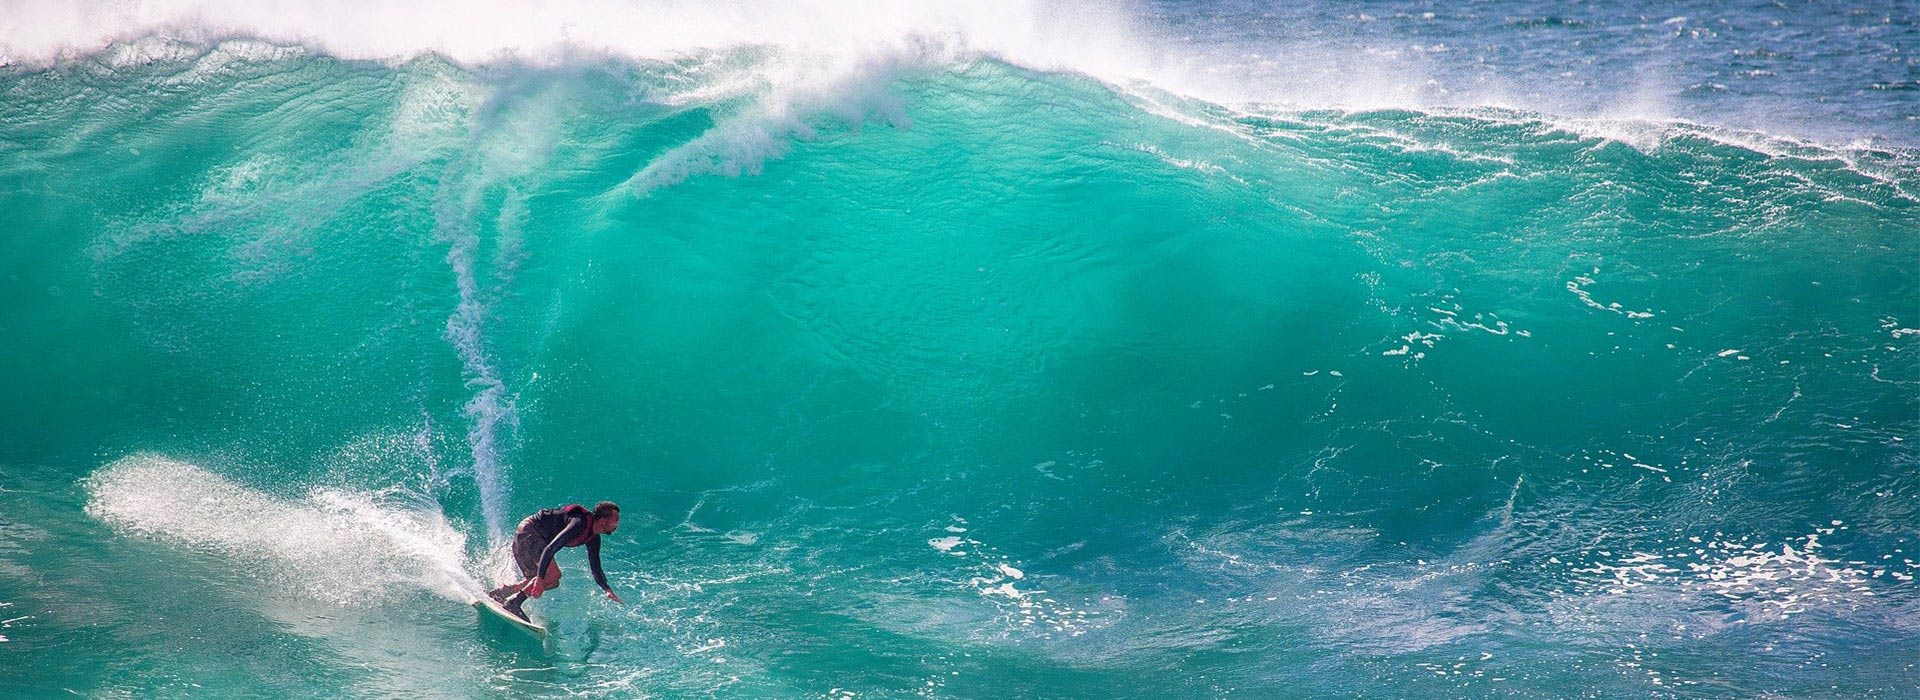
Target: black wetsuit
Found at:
543, 534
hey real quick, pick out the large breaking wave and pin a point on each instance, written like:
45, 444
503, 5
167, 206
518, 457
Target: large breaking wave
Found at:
1031, 342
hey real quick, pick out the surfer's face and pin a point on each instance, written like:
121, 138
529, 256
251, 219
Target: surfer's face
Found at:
607, 525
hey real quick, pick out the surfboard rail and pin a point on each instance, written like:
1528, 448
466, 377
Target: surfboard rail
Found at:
489, 605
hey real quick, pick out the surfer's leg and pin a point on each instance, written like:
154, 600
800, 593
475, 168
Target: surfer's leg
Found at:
513, 602
526, 555
550, 581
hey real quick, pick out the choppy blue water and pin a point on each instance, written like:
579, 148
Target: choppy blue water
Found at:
1190, 350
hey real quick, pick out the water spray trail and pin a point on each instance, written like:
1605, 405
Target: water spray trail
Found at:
408, 548
490, 407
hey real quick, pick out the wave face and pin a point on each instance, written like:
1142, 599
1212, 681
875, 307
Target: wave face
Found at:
923, 372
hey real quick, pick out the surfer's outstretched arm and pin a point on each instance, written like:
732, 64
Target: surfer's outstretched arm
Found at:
599, 577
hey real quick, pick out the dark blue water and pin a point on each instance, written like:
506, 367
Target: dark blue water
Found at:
1834, 71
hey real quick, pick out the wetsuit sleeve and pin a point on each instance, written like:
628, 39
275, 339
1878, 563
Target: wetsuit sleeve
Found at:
593, 560
573, 528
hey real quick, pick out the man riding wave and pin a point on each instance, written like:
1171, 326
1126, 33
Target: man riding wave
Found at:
543, 535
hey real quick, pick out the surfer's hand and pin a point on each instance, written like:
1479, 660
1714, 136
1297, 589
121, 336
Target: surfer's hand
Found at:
615, 598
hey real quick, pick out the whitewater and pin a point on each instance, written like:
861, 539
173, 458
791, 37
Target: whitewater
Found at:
962, 350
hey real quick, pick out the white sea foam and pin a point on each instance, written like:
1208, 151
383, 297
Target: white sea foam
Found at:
1762, 580
1023, 605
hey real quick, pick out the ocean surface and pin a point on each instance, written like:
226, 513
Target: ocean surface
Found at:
1396, 349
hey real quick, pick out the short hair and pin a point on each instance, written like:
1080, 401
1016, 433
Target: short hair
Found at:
605, 508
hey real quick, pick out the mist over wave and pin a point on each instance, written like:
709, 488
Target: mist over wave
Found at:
1656, 62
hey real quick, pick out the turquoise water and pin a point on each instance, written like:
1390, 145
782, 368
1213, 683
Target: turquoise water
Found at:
939, 376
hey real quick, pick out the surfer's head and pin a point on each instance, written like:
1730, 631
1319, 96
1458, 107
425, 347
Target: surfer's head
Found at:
606, 517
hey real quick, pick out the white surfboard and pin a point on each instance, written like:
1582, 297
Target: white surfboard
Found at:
489, 605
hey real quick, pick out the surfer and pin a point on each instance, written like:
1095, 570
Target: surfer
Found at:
543, 535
